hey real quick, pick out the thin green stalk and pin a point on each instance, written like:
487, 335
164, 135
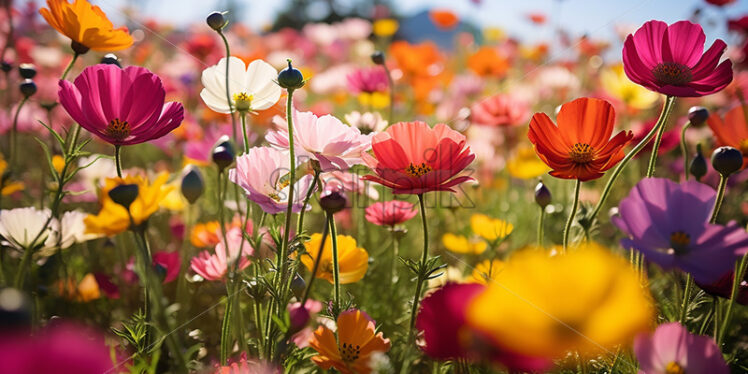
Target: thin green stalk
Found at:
736, 280
283, 253
228, 92
25, 261
335, 264
118, 159
572, 213
541, 218
317, 260
655, 150
686, 300
14, 133
666, 109
309, 192
717, 305
424, 258
720, 198
70, 66
393, 259
245, 137
684, 147
391, 86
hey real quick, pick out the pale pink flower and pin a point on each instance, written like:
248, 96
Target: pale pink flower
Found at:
672, 349
214, 266
500, 110
368, 80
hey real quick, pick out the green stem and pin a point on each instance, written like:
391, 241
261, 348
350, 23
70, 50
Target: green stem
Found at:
424, 258
283, 253
391, 87
541, 218
228, 92
686, 300
572, 213
317, 260
720, 198
393, 261
740, 267
25, 262
655, 150
14, 133
684, 147
309, 192
70, 66
335, 264
245, 137
666, 108
118, 159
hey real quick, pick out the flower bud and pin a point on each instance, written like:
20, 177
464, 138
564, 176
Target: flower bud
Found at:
332, 201
298, 285
299, 316
542, 195
78, 48
27, 88
5, 66
377, 57
160, 271
290, 78
192, 185
697, 115
111, 59
216, 21
223, 153
27, 71
124, 194
727, 160
698, 167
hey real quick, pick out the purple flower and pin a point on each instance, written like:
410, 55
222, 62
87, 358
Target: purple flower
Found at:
669, 223
671, 349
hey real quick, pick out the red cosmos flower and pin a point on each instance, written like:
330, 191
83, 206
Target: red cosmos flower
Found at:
669, 60
500, 110
390, 213
412, 158
579, 148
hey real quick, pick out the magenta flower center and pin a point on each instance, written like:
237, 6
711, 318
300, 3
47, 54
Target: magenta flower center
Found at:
679, 240
349, 352
118, 130
418, 170
582, 153
674, 368
672, 73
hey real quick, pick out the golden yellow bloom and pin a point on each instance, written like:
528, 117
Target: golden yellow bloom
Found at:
376, 100
113, 218
525, 164
488, 228
173, 200
386, 27
7, 187
352, 260
461, 244
86, 24
58, 162
615, 82
485, 271
493, 34
545, 306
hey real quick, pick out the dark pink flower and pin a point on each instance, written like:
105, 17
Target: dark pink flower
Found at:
368, 80
169, 262
120, 106
500, 110
672, 349
670, 138
390, 213
671, 60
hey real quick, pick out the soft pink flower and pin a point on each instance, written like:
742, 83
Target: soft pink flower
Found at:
671, 60
348, 182
390, 213
672, 349
214, 266
368, 80
500, 110
312, 307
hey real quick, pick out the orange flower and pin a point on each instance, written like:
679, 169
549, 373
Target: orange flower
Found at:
579, 148
486, 62
415, 60
205, 234
444, 19
86, 25
733, 131
356, 342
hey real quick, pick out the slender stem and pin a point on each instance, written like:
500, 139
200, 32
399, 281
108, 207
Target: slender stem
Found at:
655, 150
25, 261
541, 218
391, 86
666, 108
335, 263
309, 192
118, 159
245, 137
686, 300
736, 280
717, 305
317, 260
70, 66
720, 198
228, 92
14, 133
684, 148
282, 263
395, 254
424, 258
572, 213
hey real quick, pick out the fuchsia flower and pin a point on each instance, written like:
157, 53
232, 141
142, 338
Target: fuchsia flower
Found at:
671, 60
368, 80
326, 139
214, 266
390, 213
500, 110
672, 349
120, 106
169, 262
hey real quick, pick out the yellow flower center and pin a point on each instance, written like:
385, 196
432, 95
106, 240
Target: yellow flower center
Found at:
674, 368
679, 240
117, 129
582, 153
417, 170
350, 352
243, 101
672, 73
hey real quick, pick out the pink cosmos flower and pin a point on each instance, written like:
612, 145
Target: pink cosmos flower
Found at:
302, 337
390, 213
348, 182
326, 139
500, 110
669, 60
214, 266
170, 262
368, 80
262, 173
120, 106
672, 349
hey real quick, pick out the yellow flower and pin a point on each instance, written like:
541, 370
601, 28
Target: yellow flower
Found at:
525, 164
486, 271
58, 162
86, 24
113, 218
173, 200
493, 34
615, 82
376, 100
352, 260
461, 244
6, 187
385, 27
545, 306
488, 228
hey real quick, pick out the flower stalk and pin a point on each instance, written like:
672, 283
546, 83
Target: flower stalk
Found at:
572, 213
422, 273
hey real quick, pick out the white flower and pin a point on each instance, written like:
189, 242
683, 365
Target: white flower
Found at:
73, 231
94, 169
251, 87
367, 122
21, 228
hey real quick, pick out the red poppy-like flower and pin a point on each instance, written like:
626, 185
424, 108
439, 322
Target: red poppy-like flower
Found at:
390, 213
671, 60
500, 110
580, 146
444, 19
412, 158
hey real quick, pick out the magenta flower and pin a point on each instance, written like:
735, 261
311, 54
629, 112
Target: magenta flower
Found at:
672, 349
169, 262
671, 60
669, 223
368, 80
120, 106
390, 213
214, 266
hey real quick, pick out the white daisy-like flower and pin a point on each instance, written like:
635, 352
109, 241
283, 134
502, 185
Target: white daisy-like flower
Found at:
24, 228
73, 231
251, 87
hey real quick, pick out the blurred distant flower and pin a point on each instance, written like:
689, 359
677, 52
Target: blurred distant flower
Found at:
369, 80
412, 158
723, 287
120, 106
23, 227
486, 271
672, 349
7, 187
385, 27
367, 122
500, 110
170, 263
357, 340
461, 244
73, 231
85, 291
353, 261
617, 85
251, 87
375, 100
205, 234
213, 266
247, 366
487, 62
525, 164
733, 130
488, 228
390, 213
444, 19
720, 2
669, 223
86, 25
301, 338
669, 60
670, 138
537, 18
580, 146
